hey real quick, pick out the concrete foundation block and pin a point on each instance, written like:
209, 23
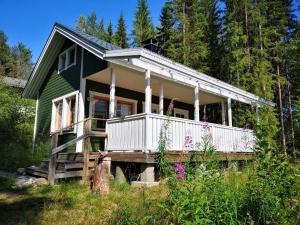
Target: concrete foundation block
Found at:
147, 172
120, 175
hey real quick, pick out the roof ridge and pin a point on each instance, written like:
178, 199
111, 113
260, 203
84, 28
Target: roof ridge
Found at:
95, 40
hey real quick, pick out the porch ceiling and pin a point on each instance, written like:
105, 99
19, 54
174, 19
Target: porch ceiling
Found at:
135, 80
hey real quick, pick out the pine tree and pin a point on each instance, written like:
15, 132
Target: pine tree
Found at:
92, 27
212, 34
120, 38
81, 24
143, 28
110, 33
102, 34
165, 31
189, 45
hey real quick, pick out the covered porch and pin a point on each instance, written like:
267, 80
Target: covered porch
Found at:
135, 106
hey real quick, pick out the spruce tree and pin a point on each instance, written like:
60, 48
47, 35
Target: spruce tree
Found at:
189, 45
92, 27
212, 32
102, 34
143, 28
120, 38
110, 33
165, 31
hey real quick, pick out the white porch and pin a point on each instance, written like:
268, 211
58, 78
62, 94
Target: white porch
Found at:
143, 132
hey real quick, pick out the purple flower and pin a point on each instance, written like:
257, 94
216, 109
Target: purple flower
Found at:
179, 170
188, 141
171, 105
206, 126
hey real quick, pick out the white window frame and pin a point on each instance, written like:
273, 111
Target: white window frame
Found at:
153, 106
67, 53
94, 93
181, 111
64, 112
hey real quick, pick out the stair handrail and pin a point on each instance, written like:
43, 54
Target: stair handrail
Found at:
60, 148
73, 124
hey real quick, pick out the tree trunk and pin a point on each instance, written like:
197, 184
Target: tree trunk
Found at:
101, 176
291, 119
247, 34
281, 109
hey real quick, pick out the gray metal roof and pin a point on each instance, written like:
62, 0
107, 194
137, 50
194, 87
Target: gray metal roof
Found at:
91, 39
14, 82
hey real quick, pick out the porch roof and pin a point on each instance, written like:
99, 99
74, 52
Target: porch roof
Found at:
135, 58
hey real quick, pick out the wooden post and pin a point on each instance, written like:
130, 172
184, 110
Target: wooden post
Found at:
196, 105
86, 159
223, 113
112, 94
161, 99
147, 92
229, 112
52, 161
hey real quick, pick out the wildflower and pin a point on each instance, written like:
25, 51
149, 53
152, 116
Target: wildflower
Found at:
188, 141
206, 126
180, 170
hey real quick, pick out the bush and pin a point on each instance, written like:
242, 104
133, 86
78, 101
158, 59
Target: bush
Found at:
16, 127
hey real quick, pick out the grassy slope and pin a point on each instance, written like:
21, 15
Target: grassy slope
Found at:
73, 203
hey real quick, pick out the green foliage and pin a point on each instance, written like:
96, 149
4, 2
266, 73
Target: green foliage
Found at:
143, 28
121, 36
110, 33
16, 126
15, 61
90, 26
165, 30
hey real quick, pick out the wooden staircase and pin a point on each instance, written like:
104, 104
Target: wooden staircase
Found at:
68, 165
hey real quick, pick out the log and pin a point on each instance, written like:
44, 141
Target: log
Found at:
101, 176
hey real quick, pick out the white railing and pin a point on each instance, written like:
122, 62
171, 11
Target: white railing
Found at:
143, 132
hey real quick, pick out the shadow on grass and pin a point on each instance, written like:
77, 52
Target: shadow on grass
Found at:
25, 210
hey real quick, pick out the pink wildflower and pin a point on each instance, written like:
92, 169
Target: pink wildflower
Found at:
179, 170
188, 141
206, 126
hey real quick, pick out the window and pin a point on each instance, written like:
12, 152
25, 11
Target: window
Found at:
181, 113
64, 112
154, 108
67, 58
99, 106
124, 109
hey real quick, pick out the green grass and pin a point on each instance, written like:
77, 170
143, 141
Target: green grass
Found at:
73, 203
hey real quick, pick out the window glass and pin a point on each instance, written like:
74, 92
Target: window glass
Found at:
58, 116
71, 111
123, 109
71, 56
62, 61
64, 112
99, 111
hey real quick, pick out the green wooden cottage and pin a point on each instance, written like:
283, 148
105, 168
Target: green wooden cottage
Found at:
119, 98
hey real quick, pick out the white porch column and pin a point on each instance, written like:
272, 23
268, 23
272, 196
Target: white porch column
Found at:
161, 99
223, 113
229, 112
196, 104
147, 92
112, 95
81, 97
35, 123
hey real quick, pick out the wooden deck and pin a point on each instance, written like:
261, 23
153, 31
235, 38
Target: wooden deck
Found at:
173, 156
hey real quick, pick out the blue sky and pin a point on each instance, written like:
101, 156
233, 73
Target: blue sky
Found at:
30, 21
